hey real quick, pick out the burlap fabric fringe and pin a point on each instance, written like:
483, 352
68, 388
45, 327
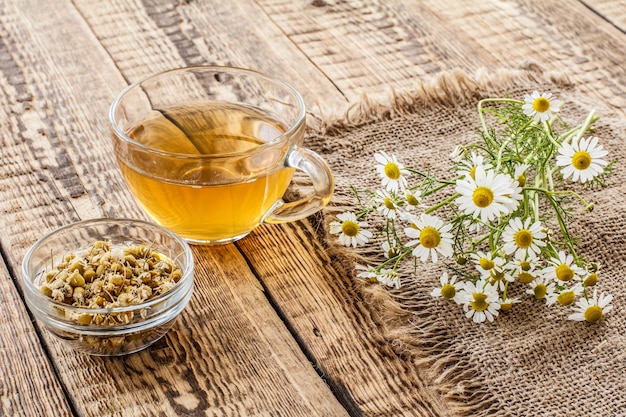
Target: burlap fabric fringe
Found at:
531, 361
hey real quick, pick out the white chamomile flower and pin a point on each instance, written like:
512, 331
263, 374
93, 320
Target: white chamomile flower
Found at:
499, 277
390, 248
592, 310
486, 262
522, 238
507, 304
433, 236
562, 268
391, 171
387, 203
523, 267
591, 277
487, 196
473, 225
457, 154
520, 173
516, 195
385, 276
481, 301
389, 277
540, 107
541, 288
368, 272
468, 168
582, 160
449, 289
565, 296
413, 200
351, 231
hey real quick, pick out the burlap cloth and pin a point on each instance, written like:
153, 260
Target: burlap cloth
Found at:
531, 361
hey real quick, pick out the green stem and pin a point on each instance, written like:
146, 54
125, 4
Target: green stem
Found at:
563, 226
591, 118
492, 100
442, 203
430, 178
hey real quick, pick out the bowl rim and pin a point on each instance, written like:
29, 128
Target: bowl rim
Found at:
33, 291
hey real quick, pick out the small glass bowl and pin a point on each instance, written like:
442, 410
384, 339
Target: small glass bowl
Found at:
150, 319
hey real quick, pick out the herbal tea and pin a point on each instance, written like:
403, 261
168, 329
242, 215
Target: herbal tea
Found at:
212, 199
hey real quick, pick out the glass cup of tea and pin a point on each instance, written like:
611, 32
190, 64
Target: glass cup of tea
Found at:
208, 152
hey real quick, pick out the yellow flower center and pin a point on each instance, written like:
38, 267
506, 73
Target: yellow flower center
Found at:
482, 197
525, 265
523, 238
541, 105
525, 278
593, 314
430, 237
412, 200
566, 298
350, 228
473, 173
448, 291
591, 280
389, 203
392, 170
581, 160
392, 252
480, 301
496, 275
486, 264
506, 306
564, 272
540, 291
521, 180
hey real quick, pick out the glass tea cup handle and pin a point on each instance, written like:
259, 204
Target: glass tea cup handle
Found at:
321, 178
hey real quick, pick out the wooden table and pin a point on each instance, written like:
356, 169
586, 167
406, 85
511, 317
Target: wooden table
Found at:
275, 327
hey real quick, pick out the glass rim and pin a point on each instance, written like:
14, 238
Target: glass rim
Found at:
300, 117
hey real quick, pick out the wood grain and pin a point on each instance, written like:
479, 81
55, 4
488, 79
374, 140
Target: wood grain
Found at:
329, 316
155, 35
229, 354
614, 11
376, 45
275, 327
29, 385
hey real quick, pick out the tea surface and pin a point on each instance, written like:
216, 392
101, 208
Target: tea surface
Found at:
208, 200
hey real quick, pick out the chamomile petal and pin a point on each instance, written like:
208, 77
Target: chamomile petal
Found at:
487, 196
351, 231
582, 160
432, 238
540, 106
592, 310
393, 174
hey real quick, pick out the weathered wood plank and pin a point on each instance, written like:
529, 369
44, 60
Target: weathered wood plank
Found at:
561, 36
366, 46
229, 354
613, 11
56, 167
341, 332
28, 384
153, 35
370, 46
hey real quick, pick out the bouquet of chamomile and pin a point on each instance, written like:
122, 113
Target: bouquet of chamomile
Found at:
500, 222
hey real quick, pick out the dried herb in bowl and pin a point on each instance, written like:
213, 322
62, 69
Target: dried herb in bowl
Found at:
107, 276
